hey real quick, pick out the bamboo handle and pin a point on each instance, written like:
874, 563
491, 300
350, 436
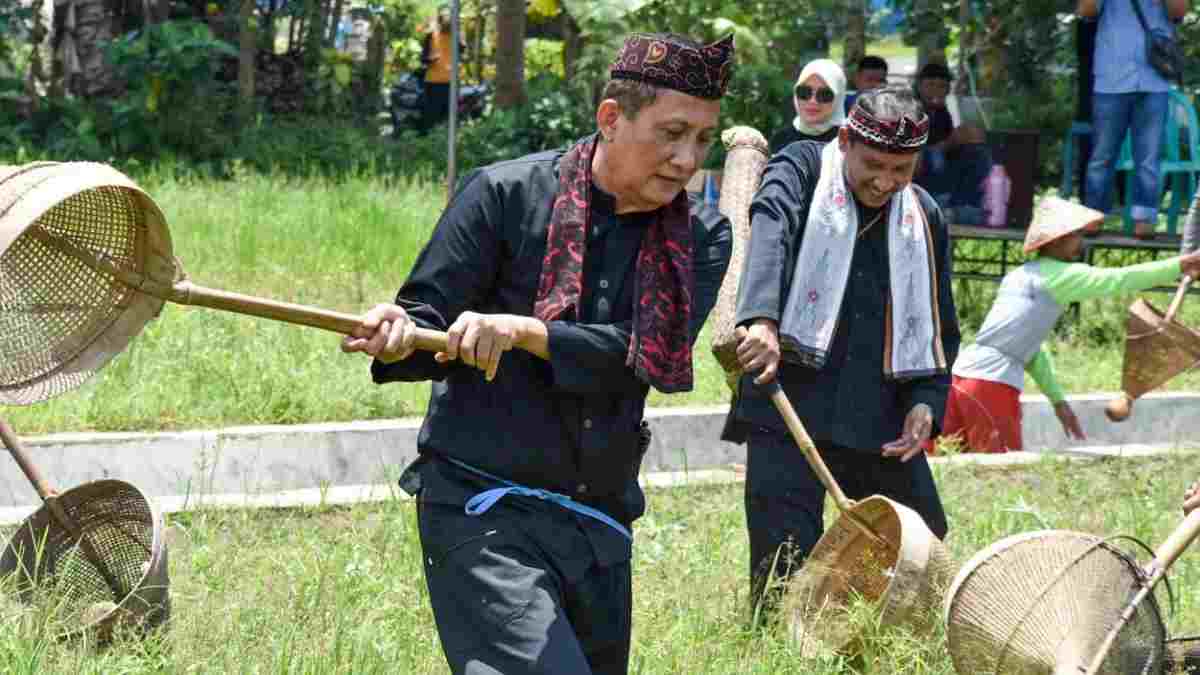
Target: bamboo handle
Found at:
1175, 544
1164, 556
50, 499
800, 435
188, 293
17, 450
1178, 299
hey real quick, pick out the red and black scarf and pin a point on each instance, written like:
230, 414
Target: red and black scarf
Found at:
660, 349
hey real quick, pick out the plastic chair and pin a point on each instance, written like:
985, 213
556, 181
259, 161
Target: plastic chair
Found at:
1174, 170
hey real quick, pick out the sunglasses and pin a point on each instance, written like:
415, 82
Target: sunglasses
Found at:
824, 94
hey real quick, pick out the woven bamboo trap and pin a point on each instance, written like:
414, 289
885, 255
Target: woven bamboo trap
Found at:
1157, 348
92, 560
85, 262
1183, 656
745, 158
1058, 602
902, 572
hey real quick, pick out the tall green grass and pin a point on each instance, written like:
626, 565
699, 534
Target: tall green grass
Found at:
340, 590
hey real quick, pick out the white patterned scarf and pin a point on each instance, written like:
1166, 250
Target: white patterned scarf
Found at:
912, 343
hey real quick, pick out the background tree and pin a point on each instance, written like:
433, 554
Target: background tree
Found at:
510, 53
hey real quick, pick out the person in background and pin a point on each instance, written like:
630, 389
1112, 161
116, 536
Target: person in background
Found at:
957, 159
984, 407
870, 73
436, 58
1129, 97
817, 99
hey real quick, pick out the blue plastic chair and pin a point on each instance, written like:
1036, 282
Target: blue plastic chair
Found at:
1173, 166
1174, 170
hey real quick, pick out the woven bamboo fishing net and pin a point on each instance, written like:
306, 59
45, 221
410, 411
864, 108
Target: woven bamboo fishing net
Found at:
60, 319
1155, 351
105, 567
746, 157
1157, 348
85, 263
902, 574
1044, 602
1183, 656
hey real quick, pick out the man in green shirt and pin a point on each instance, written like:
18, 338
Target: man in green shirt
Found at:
983, 408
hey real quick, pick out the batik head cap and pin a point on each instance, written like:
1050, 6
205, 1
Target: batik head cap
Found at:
900, 136
1055, 218
666, 61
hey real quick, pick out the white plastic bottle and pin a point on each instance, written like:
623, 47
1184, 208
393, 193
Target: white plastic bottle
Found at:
997, 187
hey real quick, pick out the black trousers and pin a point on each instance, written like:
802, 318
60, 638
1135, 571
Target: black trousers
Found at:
518, 591
785, 501
436, 104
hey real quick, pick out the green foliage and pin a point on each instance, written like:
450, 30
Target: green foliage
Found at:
760, 97
331, 85
553, 117
1045, 113
1188, 33
16, 19
308, 146
171, 99
784, 33
542, 57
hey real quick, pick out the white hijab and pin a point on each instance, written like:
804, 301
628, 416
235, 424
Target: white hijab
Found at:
835, 79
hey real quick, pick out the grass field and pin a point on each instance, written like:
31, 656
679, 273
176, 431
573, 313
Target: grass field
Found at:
347, 245
340, 590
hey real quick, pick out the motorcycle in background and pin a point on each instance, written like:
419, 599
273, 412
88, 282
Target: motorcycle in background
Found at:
406, 102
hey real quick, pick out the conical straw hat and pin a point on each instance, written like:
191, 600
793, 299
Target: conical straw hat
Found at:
1055, 218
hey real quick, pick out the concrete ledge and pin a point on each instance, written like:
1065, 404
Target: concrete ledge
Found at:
342, 495
193, 466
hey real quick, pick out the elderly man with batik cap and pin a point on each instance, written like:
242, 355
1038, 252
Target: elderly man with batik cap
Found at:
984, 407
845, 298
569, 284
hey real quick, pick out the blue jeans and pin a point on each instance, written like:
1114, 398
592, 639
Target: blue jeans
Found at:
1143, 114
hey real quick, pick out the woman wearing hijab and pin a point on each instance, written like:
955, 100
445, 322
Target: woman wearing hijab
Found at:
819, 99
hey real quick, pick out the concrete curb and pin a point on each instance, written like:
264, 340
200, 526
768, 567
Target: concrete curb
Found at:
257, 462
346, 495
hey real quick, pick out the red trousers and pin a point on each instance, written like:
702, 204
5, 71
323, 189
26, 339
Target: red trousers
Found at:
985, 416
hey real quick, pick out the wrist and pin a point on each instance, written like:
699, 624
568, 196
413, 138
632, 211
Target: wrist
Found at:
528, 328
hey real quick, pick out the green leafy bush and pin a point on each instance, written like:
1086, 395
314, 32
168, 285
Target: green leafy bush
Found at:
759, 96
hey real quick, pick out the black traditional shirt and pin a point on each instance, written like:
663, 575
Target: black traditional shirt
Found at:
848, 402
941, 124
570, 424
790, 134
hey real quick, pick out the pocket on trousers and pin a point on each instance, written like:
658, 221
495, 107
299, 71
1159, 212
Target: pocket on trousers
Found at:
491, 580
